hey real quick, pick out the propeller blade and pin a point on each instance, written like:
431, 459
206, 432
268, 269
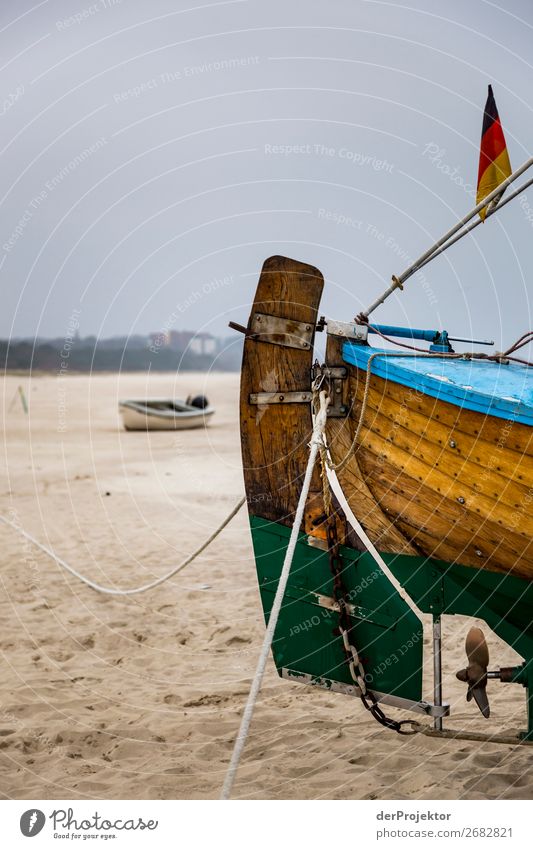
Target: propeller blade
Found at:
480, 695
475, 675
477, 650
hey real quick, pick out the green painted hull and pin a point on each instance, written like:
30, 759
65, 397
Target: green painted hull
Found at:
386, 631
503, 601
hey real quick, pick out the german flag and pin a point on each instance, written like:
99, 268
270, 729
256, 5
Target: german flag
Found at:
494, 164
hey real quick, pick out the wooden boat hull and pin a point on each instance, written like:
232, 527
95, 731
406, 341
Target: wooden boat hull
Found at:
428, 539
139, 416
436, 479
274, 442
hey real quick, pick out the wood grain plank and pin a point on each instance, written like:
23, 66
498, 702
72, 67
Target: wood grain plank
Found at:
419, 481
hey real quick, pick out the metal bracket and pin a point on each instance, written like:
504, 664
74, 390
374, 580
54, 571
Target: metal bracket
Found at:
355, 610
347, 330
334, 375
422, 707
280, 398
281, 331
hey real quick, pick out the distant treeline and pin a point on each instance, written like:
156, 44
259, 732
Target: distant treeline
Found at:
87, 355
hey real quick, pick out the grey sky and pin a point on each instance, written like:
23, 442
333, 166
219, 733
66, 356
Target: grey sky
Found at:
147, 172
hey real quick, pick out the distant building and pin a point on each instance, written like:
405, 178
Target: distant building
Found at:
203, 343
158, 340
185, 340
179, 340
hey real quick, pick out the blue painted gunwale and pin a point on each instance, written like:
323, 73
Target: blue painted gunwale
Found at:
504, 391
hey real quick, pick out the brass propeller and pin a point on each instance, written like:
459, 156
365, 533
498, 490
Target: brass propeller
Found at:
475, 674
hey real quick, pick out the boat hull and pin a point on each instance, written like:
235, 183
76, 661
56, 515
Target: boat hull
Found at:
137, 417
383, 626
432, 478
275, 438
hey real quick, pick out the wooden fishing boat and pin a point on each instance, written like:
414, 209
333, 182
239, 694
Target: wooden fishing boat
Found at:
384, 484
433, 455
164, 414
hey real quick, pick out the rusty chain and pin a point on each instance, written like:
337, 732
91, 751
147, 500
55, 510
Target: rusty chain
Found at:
340, 595
353, 660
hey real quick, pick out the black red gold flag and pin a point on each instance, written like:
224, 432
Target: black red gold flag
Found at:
494, 164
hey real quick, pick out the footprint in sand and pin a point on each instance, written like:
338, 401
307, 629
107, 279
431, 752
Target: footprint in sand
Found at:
489, 760
141, 638
237, 640
496, 783
61, 656
461, 755
202, 701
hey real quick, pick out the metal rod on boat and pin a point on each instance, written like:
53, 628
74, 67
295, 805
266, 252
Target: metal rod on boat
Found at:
475, 224
437, 669
397, 282
490, 197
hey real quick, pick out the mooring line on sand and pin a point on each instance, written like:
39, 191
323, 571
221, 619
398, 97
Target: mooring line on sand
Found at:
315, 445
134, 590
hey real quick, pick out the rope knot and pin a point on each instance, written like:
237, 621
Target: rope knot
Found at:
321, 418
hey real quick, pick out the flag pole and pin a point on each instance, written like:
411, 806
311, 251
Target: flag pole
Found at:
474, 224
397, 282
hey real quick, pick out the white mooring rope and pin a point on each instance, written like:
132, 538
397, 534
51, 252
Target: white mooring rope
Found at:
112, 590
315, 445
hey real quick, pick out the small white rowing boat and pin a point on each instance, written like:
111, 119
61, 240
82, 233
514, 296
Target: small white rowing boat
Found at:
165, 414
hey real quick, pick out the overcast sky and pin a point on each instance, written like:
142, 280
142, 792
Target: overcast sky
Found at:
154, 154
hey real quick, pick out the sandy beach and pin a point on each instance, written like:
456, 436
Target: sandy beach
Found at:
105, 697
